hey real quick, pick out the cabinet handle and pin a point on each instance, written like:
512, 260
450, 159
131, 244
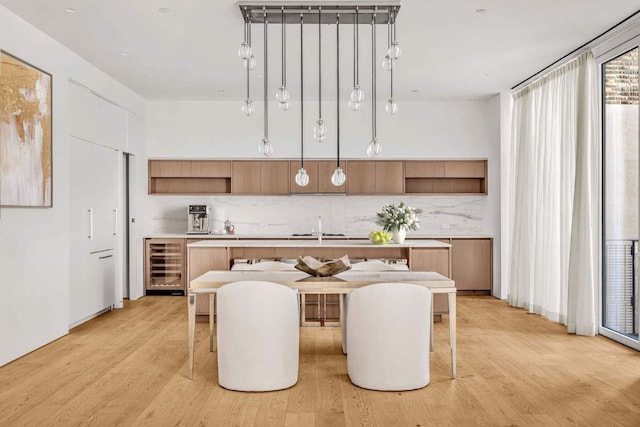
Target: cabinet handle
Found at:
90, 236
105, 257
115, 222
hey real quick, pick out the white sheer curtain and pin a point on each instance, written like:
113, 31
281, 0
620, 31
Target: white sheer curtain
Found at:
555, 197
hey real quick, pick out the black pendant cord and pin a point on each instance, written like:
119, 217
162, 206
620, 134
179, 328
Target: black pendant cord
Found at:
301, 94
389, 39
355, 26
248, 59
266, 79
320, 62
357, 50
284, 52
338, 86
373, 76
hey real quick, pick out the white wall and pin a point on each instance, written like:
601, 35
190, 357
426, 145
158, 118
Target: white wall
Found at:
424, 130
34, 254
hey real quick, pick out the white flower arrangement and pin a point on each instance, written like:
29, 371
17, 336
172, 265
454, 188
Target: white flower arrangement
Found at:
398, 217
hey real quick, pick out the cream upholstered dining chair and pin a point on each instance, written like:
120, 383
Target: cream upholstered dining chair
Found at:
388, 334
258, 336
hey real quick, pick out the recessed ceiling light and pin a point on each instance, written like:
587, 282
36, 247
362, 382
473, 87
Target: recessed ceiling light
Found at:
481, 10
71, 10
150, 75
124, 54
220, 90
414, 91
164, 10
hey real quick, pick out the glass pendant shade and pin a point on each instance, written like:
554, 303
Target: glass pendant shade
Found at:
357, 95
250, 62
284, 106
387, 63
302, 179
248, 107
265, 148
244, 51
282, 95
391, 107
355, 106
374, 148
320, 131
338, 178
394, 50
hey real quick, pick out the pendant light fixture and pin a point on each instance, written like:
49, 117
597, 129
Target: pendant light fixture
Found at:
265, 148
382, 12
387, 62
338, 178
282, 95
392, 106
302, 178
244, 51
357, 94
374, 148
394, 50
250, 62
247, 104
320, 128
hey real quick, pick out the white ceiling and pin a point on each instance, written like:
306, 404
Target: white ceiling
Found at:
449, 51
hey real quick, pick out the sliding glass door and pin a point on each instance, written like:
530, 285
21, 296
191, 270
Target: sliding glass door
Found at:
621, 207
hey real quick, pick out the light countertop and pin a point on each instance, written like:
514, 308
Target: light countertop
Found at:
410, 236
314, 243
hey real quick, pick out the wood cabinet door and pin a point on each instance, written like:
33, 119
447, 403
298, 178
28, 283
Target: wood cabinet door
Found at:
325, 171
245, 177
210, 169
435, 259
389, 177
465, 169
200, 261
424, 169
471, 264
312, 170
170, 168
361, 178
274, 177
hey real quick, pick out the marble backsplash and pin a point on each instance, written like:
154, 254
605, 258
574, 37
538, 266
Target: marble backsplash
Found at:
351, 215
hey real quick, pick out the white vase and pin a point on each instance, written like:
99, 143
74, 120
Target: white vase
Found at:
399, 235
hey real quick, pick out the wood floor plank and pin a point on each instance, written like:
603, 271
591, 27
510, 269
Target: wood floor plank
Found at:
129, 368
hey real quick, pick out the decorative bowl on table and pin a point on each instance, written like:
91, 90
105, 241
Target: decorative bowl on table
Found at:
380, 237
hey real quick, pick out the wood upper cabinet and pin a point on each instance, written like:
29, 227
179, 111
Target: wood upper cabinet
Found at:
319, 172
189, 176
169, 169
445, 177
375, 177
260, 177
274, 177
210, 169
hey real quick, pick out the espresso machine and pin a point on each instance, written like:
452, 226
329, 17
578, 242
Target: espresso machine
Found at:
198, 219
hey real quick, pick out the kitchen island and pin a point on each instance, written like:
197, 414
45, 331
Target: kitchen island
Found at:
218, 254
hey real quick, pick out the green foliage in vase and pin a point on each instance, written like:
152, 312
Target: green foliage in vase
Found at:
397, 217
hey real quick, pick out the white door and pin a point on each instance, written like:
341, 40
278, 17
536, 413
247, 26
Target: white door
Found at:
93, 189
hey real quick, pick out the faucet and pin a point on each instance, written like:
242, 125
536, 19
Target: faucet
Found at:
319, 232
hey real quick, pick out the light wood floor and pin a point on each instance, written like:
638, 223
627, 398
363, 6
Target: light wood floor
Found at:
129, 367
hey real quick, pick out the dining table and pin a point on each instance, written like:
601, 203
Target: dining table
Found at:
341, 284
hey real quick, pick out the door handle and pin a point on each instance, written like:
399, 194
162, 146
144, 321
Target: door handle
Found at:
115, 222
90, 236
105, 257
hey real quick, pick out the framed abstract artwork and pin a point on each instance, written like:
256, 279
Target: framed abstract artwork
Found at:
25, 134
